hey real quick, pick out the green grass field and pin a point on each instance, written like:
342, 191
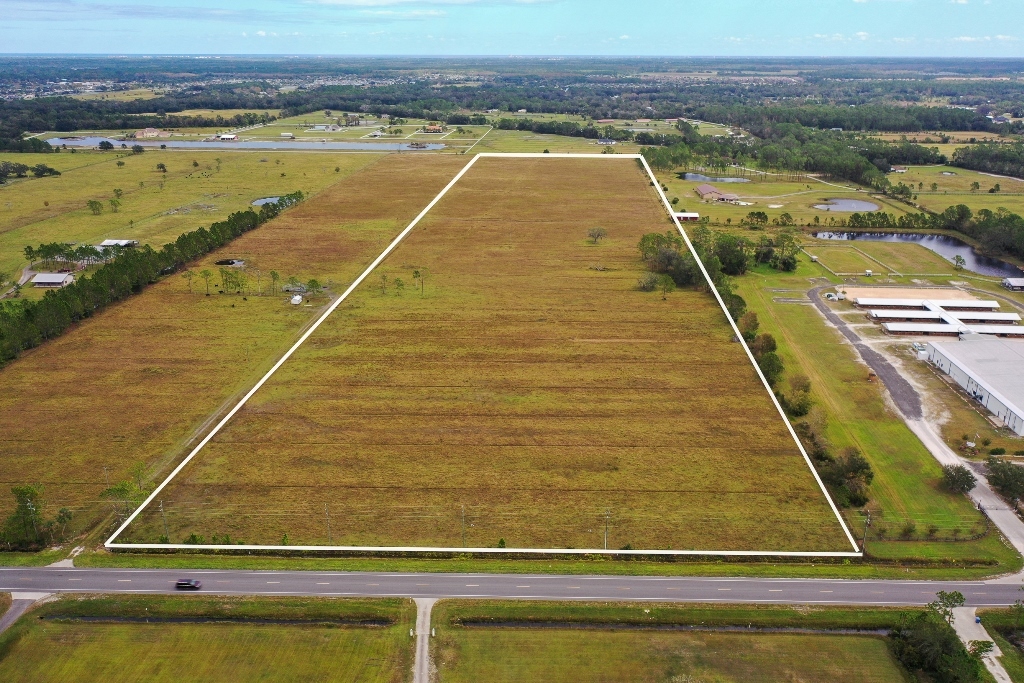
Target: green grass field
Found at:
326, 640
881, 257
907, 478
532, 386
595, 650
135, 382
155, 207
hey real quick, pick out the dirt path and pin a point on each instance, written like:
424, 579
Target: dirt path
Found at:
903, 394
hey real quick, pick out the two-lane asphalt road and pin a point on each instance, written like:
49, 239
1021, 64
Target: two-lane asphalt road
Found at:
518, 586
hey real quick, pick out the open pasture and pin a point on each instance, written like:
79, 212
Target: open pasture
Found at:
133, 383
881, 257
528, 141
134, 638
843, 259
528, 392
154, 207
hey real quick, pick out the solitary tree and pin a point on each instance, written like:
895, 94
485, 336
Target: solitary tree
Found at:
399, 286
120, 163
206, 275
945, 602
596, 234
274, 277
959, 262
195, 164
975, 186
383, 283
118, 192
314, 286
162, 168
421, 275
95, 206
958, 478
935, 187
115, 204
188, 275
667, 285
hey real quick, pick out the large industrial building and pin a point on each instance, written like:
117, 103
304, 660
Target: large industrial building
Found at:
991, 370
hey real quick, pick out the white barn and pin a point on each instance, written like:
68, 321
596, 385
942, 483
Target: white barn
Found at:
991, 370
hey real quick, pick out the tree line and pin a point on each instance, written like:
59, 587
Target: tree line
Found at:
997, 232
991, 157
25, 324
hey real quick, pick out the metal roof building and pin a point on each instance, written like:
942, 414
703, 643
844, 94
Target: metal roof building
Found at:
990, 370
53, 279
950, 305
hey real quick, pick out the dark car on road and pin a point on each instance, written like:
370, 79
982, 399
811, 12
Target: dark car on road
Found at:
188, 585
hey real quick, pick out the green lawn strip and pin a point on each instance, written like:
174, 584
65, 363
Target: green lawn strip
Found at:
848, 569
636, 654
54, 644
460, 612
40, 559
1000, 624
394, 611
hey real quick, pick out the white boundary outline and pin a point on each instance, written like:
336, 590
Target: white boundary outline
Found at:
110, 542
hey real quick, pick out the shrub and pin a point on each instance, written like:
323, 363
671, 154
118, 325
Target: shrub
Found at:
648, 282
928, 644
1006, 478
847, 478
908, 530
997, 451
958, 478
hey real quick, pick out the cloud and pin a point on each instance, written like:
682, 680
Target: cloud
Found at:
863, 35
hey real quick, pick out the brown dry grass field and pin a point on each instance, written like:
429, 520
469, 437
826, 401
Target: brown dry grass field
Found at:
528, 388
133, 383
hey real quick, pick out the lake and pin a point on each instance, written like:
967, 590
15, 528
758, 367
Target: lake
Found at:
94, 141
848, 206
943, 245
708, 179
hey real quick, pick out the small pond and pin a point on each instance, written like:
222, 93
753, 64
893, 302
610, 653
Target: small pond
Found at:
709, 179
94, 141
943, 245
847, 206
265, 200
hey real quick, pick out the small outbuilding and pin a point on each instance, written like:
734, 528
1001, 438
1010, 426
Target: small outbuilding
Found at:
57, 280
296, 300
118, 243
687, 216
1015, 284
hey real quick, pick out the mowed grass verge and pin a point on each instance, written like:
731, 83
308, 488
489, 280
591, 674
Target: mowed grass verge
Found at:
135, 638
530, 392
907, 486
497, 641
135, 382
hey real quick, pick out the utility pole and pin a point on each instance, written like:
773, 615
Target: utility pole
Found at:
867, 524
164, 516
607, 513
463, 526
327, 513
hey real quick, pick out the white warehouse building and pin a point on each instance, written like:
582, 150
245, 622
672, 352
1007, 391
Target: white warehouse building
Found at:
989, 369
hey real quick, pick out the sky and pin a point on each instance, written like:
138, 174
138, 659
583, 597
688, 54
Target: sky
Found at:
926, 28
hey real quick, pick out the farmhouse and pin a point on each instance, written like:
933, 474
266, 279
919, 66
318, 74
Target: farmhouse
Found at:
1015, 284
990, 370
53, 279
708, 192
152, 133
